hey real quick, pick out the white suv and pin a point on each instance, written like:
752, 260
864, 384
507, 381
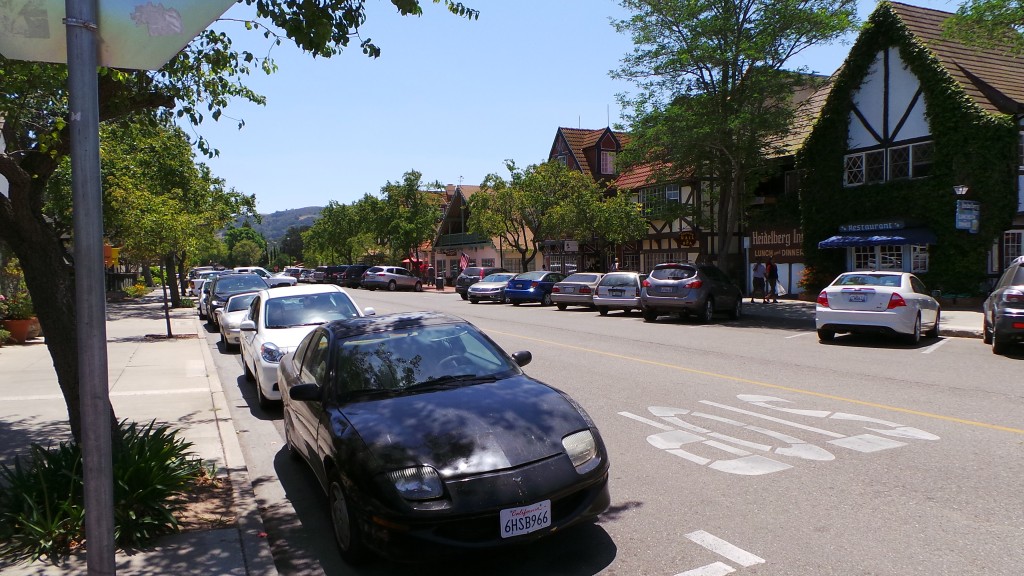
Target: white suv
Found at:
272, 279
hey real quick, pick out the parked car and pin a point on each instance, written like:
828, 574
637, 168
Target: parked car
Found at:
438, 441
352, 277
230, 317
332, 274
472, 275
272, 279
227, 285
203, 303
532, 287
1004, 309
306, 276
491, 288
689, 289
196, 281
293, 271
277, 320
390, 278
576, 290
618, 291
877, 302
319, 273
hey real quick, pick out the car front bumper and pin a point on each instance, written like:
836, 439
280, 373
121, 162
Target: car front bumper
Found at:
492, 295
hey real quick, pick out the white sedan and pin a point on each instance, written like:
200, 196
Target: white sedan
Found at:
877, 302
278, 319
230, 316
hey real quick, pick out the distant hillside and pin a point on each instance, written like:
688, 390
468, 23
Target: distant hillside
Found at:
275, 225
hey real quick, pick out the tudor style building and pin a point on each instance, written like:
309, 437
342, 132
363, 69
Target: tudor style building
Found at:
914, 163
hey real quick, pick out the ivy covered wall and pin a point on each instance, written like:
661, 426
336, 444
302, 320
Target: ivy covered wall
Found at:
972, 147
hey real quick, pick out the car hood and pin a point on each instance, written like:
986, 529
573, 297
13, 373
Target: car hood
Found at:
286, 339
467, 430
487, 285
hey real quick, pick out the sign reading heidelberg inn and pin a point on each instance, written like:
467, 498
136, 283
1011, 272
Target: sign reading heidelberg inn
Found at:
784, 245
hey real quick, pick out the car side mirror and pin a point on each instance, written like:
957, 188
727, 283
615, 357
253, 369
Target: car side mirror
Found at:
369, 311
247, 326
306, 393
522, 358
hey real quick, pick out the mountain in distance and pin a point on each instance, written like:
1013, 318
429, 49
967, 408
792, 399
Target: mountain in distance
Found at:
276, 224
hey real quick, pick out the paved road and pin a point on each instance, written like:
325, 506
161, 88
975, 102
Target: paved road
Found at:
738, 446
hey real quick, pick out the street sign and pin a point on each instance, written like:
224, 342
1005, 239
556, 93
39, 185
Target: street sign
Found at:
137, 34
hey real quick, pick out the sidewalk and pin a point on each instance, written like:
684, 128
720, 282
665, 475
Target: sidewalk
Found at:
170, 380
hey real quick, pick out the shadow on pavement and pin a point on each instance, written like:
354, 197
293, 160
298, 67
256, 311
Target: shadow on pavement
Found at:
18, 435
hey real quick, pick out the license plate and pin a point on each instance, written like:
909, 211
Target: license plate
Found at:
664, 289
525, 519
615, 292
856, 298
567, 290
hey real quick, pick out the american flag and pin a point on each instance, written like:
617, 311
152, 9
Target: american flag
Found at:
464, 261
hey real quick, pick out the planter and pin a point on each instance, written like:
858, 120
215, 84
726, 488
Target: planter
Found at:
20, 329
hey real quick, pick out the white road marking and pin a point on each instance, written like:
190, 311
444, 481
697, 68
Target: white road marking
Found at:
657, 425
716, 569
723, 548
799, 335
935, 346
867, 443
773, 419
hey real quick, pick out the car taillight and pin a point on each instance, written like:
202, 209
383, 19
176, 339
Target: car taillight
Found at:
556, 290
1015, 296
534, 284
481, 274
380, 274
646, 284
895, 301
695, 284
585, 290
823, 299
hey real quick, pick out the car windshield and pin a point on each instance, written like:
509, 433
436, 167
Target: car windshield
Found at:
868, 280
420, 357
582, 278
618, 280
239, 283
674, 273
538, 275
504, 277
308, 309
240, 302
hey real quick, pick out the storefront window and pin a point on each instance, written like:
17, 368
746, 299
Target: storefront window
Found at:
919, 259
1012, 246
889, 257
630, 262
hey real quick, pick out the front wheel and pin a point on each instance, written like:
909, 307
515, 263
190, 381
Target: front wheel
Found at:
474, 300
986, 332
826, 335
516, 302
418, 287
464, 296
999, 344
915, 336
347, 534
602, 310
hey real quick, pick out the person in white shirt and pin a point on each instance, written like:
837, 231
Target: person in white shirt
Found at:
758, 281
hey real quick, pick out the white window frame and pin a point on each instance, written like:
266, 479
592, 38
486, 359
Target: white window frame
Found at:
607, 162
857, 172
919, 258
652, 194
1013, 246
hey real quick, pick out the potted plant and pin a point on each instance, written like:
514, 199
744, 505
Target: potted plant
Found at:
19, 316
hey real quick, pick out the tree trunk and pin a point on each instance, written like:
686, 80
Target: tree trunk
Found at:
147, 275
170, 282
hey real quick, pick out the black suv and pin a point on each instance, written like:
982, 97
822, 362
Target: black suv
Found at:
471, 276
352, 276
1004, 309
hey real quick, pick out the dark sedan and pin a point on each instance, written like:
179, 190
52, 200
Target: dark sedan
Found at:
1004, 309
532, 287
428, 438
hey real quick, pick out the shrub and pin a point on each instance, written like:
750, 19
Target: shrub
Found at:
42, 503
4, 336
137, 291
187, 303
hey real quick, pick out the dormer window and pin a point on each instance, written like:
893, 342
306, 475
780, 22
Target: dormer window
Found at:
607, 162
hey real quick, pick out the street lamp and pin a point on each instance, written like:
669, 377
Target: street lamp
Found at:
960, 189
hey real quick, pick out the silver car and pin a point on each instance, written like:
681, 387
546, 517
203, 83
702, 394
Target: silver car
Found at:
618, 291
230, 317
491, 287
689, 289
576, 290
390, 278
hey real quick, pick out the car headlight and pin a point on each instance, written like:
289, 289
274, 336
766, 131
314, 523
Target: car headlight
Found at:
419, 483
271, 353
581, 448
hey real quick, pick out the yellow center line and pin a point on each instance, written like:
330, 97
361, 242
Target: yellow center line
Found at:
768, 385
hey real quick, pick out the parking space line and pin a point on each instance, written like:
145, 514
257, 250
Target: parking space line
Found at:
716, 569
724, 549
935, 346
799, 335
768, 385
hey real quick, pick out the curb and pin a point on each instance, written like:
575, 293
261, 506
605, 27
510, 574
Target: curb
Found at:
251, 533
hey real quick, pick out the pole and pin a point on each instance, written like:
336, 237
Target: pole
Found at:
90, 302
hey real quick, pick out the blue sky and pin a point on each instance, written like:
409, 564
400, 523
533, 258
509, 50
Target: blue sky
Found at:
448, 97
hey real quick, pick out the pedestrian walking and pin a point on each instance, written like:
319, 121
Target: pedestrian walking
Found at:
758, 281
771, 274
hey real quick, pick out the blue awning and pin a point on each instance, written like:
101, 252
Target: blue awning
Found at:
916, 236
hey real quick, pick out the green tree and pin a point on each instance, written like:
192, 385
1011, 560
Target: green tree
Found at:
232, 236
198, 82
245, 252
521, 210
339, 235
714, 95
291, 242
409, 215
989, 23
602, 219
